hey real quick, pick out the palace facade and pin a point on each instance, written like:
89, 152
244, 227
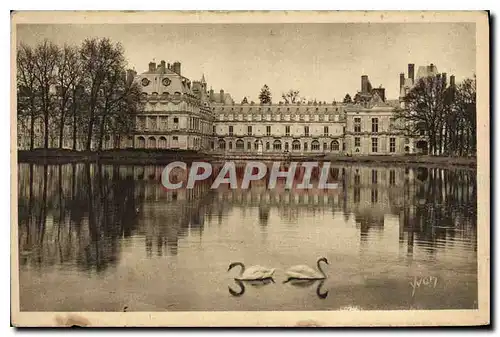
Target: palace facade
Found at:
180, 114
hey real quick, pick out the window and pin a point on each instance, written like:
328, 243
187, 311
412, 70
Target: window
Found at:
176, 120
230, 130
375, 145
213, 130
315, 145
305, 146
374, 125
249, 130
175, 138
357, 178
287, 130
306, 131
268, 146
286, 146
374, 196
296, 145
392, 122
374, 176
325, 131
357, 141
334, 145
392, 144
277, 145
357, 124
407, 140
249, 145
392, 177
357, 195
268, 130
230, 145
222, 144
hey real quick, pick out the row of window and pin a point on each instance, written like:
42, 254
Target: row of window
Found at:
326, 132
392, 144
277, 145
317, 118
357, 124
278, 109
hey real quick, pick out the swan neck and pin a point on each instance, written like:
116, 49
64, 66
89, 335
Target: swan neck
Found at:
320, 269
242, 267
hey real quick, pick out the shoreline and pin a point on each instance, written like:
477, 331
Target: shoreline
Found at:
153, 156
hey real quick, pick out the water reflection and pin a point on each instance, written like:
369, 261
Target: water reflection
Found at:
254, 283
308, 283
88, 217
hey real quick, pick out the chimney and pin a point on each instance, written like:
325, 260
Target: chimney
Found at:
411, 72
211, 95
168, 66
152, 66
221, 96
401, 80
443, 77
452, 81
364, 83
162, 66
176, 68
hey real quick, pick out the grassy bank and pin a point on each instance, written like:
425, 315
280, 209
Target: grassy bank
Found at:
132, 156
406, 159
154, 156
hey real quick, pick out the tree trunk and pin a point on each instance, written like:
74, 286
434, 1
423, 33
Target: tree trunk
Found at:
32, 130
61, 131
101, 132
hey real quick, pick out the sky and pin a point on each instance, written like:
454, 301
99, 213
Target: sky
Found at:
324, 61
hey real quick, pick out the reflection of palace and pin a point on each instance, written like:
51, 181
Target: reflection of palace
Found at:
79, 213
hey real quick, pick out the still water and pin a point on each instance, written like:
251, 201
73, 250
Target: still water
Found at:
105, 237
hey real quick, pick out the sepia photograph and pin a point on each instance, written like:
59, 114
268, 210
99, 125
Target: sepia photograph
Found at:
250, 168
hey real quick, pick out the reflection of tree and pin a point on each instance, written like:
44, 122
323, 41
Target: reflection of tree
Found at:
444, 206
75, 213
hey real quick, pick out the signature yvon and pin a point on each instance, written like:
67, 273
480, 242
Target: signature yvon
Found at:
426, 281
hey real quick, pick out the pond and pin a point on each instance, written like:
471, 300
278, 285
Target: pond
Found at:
112, 238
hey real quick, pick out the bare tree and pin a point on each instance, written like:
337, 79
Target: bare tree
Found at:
45, 62
27, 90
68, 76
464, 110
425, 107
445, 115
291, 96
99, 58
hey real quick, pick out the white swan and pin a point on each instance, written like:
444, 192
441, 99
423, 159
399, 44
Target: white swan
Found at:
302, 272
252, 273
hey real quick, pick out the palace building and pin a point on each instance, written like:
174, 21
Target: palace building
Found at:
180, 114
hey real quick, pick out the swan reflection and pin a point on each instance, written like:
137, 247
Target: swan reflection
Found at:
253, 283
304, 283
